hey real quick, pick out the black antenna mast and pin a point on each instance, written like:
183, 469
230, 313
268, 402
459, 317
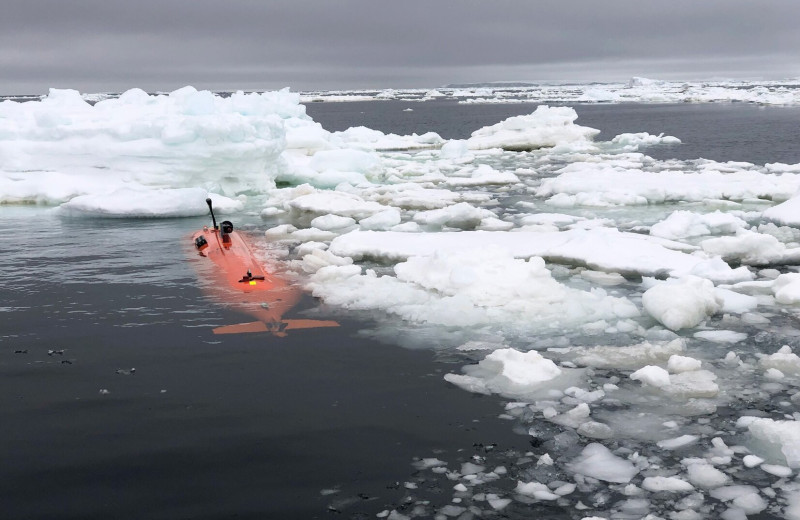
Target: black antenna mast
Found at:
213, 219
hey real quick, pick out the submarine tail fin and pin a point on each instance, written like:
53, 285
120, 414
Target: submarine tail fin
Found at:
278, 328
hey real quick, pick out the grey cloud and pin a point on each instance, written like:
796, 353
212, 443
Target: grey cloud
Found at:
306, 44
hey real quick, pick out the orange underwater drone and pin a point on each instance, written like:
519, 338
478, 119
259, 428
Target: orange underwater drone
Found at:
237, 278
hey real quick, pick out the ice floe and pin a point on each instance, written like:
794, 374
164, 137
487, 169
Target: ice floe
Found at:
681, 303
545, 127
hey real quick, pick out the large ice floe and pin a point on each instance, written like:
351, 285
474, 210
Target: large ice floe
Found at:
636, 317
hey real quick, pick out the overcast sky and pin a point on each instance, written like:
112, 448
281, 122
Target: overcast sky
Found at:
112, 45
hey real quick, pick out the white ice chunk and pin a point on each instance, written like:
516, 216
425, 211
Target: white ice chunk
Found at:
786, 288
670, 484
600, 249
678, 442
751, 248
652, 376
482, 175
317, 258
596, 461
186, 139
455, 149
461, 215
742, 496
784, 360
485, 286
683, 303
778, 441
332, 222
595, 430
777, 470
696, 383
706, 476
734, 302
685, 224
600, 184
751, 461
632, 142
786, 213
630, 357
369, 139
545, 127
508, 372
337, 203
142, 202
678, 364
381, 221
536, 490
721, 336
365, 163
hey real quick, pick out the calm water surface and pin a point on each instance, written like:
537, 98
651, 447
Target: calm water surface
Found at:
720, 132
245, 426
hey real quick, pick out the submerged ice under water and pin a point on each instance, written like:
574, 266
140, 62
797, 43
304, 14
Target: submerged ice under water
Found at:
635, 308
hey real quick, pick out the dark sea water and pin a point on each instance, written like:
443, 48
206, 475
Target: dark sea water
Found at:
244, 426
720, 132
249, 426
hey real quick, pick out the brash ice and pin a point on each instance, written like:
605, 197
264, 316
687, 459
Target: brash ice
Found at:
238, 278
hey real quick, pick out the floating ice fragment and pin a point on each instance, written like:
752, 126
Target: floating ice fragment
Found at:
678, 364
629, 357
685, 224
573, 417
778, 441
751, 461
721, 336
337, 203
751, 248
692, 384
595, 430
545, 460
480, 287
706, 476
61, 146
777, 470
461, 215
600, 184
745, 497
508, 371
683, 303
149, 202
598, 462
316, 259
332, 222
536, 490
498, 504
786, 288
601, 249
784, 360
545, 127
670, 484
734, 302
454, 149
652, 376
677, 442
774, 374
381, 221
786, 213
